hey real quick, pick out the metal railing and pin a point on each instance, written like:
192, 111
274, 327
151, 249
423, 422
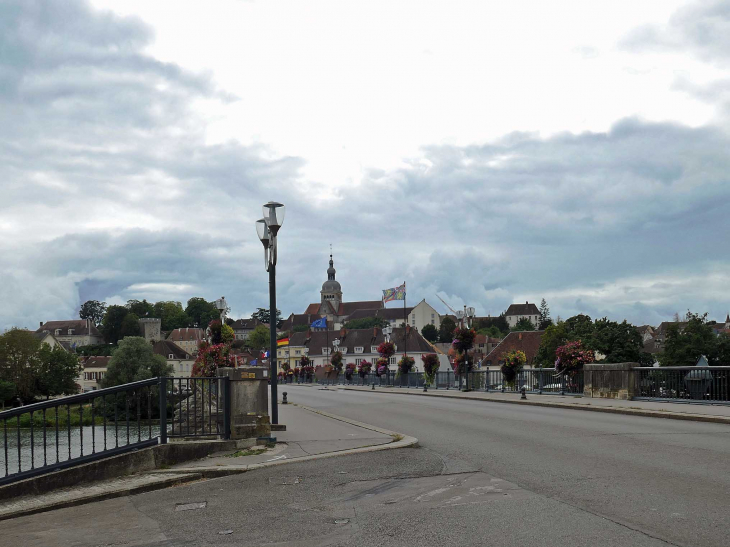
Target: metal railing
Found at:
61, 433
683, 384
538, 381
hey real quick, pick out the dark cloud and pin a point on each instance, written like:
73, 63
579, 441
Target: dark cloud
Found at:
109, 191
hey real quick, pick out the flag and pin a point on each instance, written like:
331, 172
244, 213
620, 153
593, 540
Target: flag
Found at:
396, 293
282, 342
319, 323
265, 354
253, 362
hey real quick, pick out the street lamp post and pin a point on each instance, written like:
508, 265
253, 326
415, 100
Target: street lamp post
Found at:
267, 229
222, 307
335, 345
387, 331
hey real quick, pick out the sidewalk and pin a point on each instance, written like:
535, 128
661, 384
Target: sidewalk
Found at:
654, 409
310, 435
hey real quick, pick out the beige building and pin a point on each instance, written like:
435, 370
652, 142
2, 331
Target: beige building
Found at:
522, 311
93, 370
48, 338
187, 338
180, 360
77, 332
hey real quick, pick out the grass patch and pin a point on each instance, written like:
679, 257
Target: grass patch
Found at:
397, 437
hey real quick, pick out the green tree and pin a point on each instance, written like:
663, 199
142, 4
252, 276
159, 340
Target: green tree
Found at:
492, 332
259, 338
94, 310
140, 309
96, 349
111, 325
171, 314
301, 328
553, 337
201, 312
545, 320
446, 330
58, 372
619, 342
20, 362
263, 315
130, 325
580, 327
430, 333
7, 392
683, 348
134, 360
523, 324
366, 323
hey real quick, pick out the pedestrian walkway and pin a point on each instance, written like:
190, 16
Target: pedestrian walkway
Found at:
658, 409
307, 433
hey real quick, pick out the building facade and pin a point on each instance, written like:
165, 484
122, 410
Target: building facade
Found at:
187, 338
151, 328
76, 332
244, 327
355, 345
93, 370
522, 311
180, 360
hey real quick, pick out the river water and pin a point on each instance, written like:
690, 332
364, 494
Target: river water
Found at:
90, 439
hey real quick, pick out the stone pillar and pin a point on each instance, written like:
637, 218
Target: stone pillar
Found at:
249, 401
609, 380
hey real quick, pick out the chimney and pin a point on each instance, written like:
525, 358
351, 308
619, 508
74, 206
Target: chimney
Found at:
375, 332
41, 323
309, 333
343, 332
519, 336
526, 302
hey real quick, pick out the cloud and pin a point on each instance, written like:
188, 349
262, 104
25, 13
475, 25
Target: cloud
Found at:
701, 27
109, 191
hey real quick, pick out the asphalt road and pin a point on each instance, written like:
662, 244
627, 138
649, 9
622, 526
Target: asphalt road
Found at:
484, 474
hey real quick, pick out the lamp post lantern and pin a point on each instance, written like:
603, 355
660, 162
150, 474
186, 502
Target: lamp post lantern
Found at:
267, 229
222, 307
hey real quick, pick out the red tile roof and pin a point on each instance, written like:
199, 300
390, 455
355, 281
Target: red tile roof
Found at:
186, 334
527, 341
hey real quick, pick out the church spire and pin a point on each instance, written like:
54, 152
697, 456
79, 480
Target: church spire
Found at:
331, 270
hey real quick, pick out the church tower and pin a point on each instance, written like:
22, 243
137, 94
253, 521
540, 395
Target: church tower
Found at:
331, 291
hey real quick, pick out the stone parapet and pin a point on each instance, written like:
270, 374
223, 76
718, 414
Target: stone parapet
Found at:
610, 380
249, 401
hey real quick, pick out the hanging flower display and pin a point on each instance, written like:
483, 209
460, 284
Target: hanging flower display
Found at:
210, 358
514, 360
336, 361
430, 366
386, 349
571, 357
463, 339
381, 367
405, 364
349, 370
363, 368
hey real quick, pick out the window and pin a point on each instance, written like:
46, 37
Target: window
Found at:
297, 352
343, 351
433, 322
58, 332
170, 356
359, 349
326, 351
392, 360
358, 361
70, 331
373, 349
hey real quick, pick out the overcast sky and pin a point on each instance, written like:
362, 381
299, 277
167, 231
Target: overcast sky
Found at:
487, 152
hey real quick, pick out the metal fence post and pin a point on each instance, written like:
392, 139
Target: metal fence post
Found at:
227, 408
163, 410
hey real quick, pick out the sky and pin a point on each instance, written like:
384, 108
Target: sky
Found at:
484, 152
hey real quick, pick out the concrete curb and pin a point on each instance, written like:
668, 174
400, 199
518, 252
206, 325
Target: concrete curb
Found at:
181, 478
405, 441
667, 414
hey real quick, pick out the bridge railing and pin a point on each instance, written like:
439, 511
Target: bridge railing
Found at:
691, 384
61, 433
539, 380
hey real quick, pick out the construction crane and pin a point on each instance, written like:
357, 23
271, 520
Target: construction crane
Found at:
445, 304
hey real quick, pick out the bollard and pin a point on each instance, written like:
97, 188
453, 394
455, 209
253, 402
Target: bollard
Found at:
425, 386
523, 393
373, 385
284, 401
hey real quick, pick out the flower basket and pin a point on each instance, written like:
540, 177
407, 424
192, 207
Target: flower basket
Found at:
381, 366
463, 339
513, 362
406, 364
363, 368
571, 357
386, 350
336, 361
349, 371
430, 366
